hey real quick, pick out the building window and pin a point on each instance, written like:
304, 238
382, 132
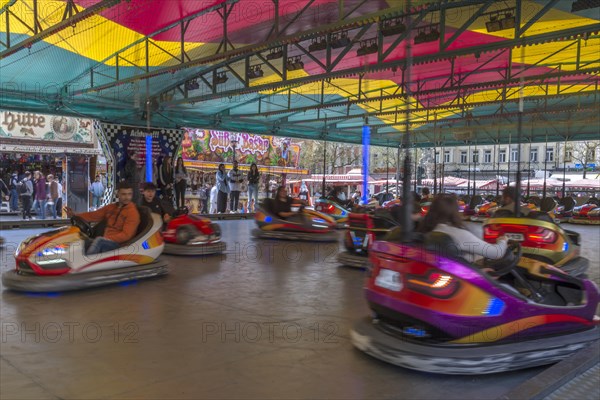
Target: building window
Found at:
487, 156
437, 156
463, 157
514, 155
533, 155
446, 156
475, 156
568, 155
591, 155
502, 156
550, 154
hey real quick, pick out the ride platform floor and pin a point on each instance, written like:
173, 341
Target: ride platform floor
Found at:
266, 320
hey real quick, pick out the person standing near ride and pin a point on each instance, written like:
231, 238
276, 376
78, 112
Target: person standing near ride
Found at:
122, 220
222, 189
14, 196
132, 175
180, 179
235, 186
161, 207
165, 178
443, 216
26, 193
213, 199
253, 181
54, 195
97, 190
40, 194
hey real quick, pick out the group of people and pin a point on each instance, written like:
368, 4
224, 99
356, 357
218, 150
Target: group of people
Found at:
36, 192
213, 198
229, 184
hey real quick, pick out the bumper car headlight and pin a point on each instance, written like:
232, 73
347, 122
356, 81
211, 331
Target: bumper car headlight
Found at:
54, 263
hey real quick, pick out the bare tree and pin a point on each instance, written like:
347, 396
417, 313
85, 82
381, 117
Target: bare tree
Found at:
584, 153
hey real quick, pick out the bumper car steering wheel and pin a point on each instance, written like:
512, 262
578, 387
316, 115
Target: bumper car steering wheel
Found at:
508, 262
82, 224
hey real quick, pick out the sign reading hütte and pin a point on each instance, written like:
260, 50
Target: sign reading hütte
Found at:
46, 130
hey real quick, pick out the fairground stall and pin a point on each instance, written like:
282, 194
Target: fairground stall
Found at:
65, 147
202, 150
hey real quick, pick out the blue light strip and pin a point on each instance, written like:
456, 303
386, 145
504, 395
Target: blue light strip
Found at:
366, 140
148, 158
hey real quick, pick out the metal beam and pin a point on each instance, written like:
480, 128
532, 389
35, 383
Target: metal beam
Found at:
424, 59
67, 23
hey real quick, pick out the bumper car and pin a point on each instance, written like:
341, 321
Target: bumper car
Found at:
334, 210
192, 235
56, 260
540, 237
308, 225
587, 214
485, 210
435, 312
564, 210
471, 205
364, 229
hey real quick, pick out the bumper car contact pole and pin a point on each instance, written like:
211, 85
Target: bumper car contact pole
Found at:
407, 204
520, 137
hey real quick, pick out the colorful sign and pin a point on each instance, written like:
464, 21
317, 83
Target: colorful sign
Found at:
202, 145
53, 129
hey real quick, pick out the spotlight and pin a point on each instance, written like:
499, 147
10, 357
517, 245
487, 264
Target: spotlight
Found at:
317, 44
392, 27
275, 53
431, 36
508, 22
192, 85
220, 77
500, 22
294, 63
584, 5
368, 46
255, 71
340, 39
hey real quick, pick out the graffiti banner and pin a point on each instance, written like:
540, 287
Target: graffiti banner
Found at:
202, 145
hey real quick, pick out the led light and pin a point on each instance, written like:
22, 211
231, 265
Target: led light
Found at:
565, 247
145, 245
494, 307
417, 332
268, 218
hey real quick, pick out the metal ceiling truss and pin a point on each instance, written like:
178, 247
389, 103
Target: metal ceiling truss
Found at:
424, 97
391, 65
71, 15
240, 52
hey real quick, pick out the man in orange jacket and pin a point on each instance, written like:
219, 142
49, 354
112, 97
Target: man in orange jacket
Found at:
122, 220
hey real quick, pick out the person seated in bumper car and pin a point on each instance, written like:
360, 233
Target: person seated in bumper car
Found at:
155, 204
509, 194
443, 216
122, 220
282, 206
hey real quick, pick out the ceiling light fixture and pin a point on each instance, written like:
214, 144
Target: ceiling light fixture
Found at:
220, 77
317, 44
255, 71
340, 39
368, 46
392, 27
275, 53
294, 63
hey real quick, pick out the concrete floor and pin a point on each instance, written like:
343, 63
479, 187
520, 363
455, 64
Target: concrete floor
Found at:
266, 320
